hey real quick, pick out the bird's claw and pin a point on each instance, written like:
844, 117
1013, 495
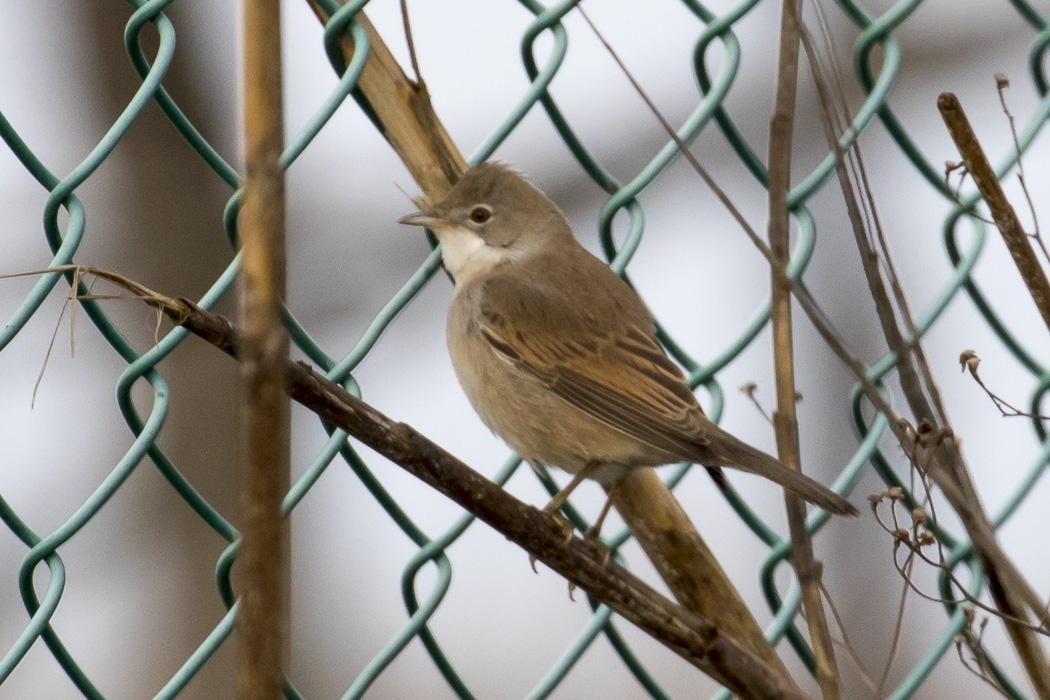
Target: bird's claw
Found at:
564, 525
593, 538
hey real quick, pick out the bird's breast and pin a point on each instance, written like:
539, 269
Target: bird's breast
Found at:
521, 409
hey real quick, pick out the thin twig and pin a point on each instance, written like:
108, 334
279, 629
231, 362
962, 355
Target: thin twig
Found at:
855, 160
411, 44
50, 347
1001, 83
73, 316
785, 418
845, 643
914, 540
969, 361
974, 641
909, 566
749, 390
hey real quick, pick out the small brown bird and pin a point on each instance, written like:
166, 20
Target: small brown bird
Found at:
558, 354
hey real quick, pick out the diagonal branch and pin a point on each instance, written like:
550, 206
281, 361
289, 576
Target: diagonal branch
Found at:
1017, 241
695, 638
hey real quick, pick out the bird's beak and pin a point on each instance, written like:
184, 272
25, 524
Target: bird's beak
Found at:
422, 218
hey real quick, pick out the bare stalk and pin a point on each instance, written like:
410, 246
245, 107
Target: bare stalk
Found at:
945, 464
265, 407
785, 419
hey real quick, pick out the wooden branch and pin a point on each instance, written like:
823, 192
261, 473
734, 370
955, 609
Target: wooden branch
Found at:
402, 111
697, 639
266, 456
1003, 213
785, 419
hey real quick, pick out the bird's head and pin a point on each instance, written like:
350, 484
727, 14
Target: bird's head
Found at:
491, 215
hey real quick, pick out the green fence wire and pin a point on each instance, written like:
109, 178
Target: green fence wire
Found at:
876, 77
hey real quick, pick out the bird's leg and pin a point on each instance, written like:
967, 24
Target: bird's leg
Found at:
559, 499
594, 532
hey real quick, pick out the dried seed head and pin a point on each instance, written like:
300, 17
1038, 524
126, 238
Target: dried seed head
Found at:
968, 360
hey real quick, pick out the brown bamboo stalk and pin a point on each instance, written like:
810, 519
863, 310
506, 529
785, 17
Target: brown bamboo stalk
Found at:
983, 174
785, 419
684, 561
402, 110
266, 455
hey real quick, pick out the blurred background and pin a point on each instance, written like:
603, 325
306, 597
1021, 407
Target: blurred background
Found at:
140, 594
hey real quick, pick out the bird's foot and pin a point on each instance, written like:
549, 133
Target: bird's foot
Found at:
593, 537
563, 524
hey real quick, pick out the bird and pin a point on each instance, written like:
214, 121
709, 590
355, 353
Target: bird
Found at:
558, 355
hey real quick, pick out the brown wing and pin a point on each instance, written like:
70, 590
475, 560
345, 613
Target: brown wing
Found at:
593, 345
606, 364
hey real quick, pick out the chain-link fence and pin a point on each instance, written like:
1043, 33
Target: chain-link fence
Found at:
715, 65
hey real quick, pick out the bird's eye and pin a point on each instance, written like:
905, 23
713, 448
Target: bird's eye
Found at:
480, 214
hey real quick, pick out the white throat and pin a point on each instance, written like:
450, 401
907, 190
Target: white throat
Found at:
466, 256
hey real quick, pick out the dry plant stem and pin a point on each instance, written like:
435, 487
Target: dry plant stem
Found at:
406, 118
946, 466
846, 644
689, 568
910, 540
266, 458
402, 112
1010, 591
1006, 409
1017, 241
785, 419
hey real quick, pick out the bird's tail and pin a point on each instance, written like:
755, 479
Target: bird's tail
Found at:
739, 455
